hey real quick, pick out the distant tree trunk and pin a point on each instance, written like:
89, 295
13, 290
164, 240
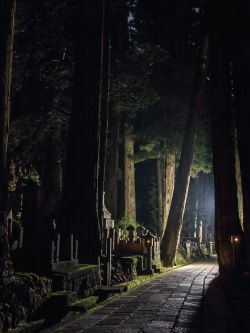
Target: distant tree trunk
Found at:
241, 72
239, 187
82, 193
171, 236
190, 215
53, 175
7, 22
226, 204
129, 173
166, 181
200, 207
147, 195
114, 185
112, 175
47, 207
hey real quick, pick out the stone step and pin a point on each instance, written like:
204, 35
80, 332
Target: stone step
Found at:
105, 291
84, 304
54, 308
31, 327
158, 270
63, 298
116, 289
77, 272
64, 266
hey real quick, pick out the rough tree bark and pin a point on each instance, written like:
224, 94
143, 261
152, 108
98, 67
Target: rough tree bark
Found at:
114, 185
241, 72
171, 236
126, 189
112, 176
200, 208
129, 173
166, 181
7, 22
82, 193
223, 133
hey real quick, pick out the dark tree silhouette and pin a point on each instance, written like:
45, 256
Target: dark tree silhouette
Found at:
226, 204
83, 186
171, 236
7, 21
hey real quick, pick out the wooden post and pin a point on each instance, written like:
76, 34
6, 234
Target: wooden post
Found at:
58, 248
99, 271
71, 247
20, 242
76, 249
109, 260
52, 252
153, 248
105, 241
112, 235
117, 239
149, 260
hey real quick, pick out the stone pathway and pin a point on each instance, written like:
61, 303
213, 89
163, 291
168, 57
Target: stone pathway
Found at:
187, 299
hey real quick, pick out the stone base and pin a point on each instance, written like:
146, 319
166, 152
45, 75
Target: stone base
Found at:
71, 276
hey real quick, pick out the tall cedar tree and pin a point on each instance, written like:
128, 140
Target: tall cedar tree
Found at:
171, 236
241, 74
226, 204
83, 187
165, 181
127, 184
119, 41
7, 22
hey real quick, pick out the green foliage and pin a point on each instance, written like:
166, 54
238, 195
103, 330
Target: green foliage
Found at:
43, 77
132, 89
151, 148
125, 222
30, 136
202, 160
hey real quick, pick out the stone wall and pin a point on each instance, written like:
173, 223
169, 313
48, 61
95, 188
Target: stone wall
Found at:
21, 298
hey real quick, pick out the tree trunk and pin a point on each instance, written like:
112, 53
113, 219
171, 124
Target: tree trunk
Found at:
82, 194
129, 173
200, 208
171, 236
165, 180
226, 204
47, 208
53, 175
121, 175
112, 175
241, 72
7, 22
239, 187
103, 112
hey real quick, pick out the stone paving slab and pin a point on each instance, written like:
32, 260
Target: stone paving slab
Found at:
184, 300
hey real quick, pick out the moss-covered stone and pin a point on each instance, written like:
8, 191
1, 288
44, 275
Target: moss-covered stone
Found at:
129, 264
23, 297
181, 256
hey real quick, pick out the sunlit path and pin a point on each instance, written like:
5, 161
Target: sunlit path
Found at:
173, 302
